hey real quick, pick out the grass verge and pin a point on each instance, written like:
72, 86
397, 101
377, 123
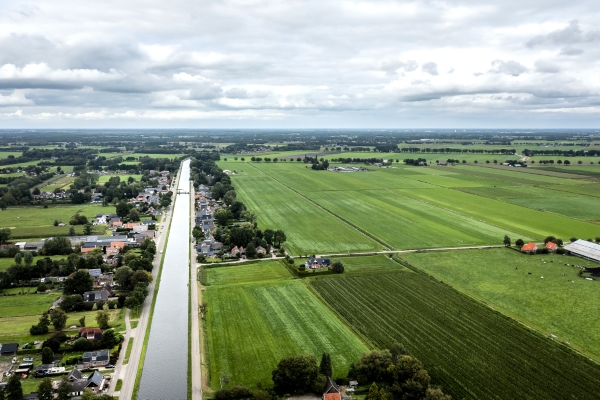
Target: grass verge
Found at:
128, 351
119, 385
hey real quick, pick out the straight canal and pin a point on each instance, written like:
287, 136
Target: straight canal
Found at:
164, 374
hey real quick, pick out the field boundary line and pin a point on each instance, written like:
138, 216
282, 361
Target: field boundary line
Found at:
365, 233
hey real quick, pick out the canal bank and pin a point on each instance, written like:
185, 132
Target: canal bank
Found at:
165, 374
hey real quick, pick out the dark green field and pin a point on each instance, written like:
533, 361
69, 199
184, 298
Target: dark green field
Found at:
472, 351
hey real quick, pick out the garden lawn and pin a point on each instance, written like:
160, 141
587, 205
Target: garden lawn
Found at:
247, 273
467, 348
250, 328
501, 277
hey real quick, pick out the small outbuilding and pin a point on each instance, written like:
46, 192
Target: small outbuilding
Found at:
9, 349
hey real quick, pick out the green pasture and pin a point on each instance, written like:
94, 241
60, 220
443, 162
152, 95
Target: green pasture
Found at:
308, 228
16, 329
26, 304
405, 223
60, 182
36, 221
467, 348
7, 262
250, 328
124, 178
367, 265
512, 283
521, 221
262, 271
170, 156
5, 154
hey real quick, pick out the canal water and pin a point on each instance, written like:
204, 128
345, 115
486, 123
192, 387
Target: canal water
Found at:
165, 368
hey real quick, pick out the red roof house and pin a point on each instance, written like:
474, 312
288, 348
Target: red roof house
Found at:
529, 247
551, 246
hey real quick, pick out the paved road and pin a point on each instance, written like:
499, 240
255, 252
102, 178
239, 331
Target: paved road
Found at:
128, 372
195, 327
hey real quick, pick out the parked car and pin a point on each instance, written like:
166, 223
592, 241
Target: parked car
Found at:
109, 366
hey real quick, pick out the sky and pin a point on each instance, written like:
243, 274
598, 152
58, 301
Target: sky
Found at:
299, 64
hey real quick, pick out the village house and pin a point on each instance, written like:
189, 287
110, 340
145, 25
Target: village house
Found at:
529, 248
93, 359
209, 247
551, 246
91, 333
238, 251
95, 382
317, 263
96, 296
261, 250
332, 391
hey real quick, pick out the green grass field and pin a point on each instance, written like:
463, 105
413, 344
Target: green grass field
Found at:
16, 329
472, 351
251, 327
7, 262
368, 265
124, 178
501, 278
36, 221
247, 273
309, 229
30, 304
414, 207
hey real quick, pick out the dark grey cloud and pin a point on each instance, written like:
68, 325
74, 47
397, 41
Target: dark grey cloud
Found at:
570, 51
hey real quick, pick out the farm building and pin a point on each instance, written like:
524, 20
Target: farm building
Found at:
317, 263
551, 246
585, 249
529, 248
9, 349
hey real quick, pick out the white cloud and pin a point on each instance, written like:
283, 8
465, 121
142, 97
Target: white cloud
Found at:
378, 61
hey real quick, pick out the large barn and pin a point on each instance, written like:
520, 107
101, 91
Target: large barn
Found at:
585, 249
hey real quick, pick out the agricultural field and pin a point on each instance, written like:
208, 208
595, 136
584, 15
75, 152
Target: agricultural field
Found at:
467, 348
36, 221
512, 283
309, 229
250, 327
420, 207
247, 273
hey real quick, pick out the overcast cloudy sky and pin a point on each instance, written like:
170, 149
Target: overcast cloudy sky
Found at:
253, 63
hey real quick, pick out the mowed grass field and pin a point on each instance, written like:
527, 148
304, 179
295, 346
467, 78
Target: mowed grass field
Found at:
36, 221
252, 326
247, 273
467, 348
309, 229
27, 304
560, 303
